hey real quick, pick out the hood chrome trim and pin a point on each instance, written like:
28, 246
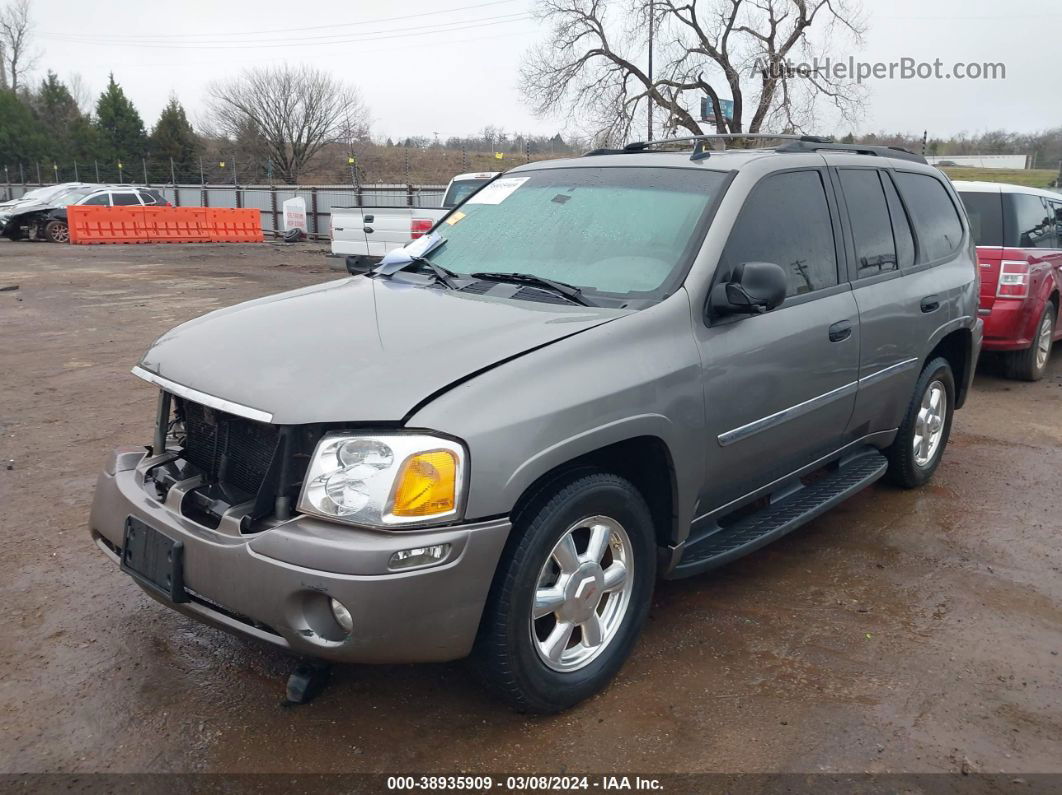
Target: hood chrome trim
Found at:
202, 397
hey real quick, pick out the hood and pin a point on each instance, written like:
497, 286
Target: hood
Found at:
355, 350
20, 207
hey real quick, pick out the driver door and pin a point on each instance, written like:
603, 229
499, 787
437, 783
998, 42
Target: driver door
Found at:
780, 387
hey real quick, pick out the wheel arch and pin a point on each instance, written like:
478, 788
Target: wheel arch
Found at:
645, 460
956, 347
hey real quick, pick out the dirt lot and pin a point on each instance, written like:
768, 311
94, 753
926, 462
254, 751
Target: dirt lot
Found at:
904, 631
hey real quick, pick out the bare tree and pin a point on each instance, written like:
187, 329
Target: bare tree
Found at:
294, 111
590, 66
16, 28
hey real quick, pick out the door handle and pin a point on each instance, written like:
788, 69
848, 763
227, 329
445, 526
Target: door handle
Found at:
841, 331
369, 218
367, 229
931, 303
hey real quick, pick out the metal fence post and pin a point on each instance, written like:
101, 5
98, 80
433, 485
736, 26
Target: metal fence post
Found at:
21, 173
76, 177
273, 206
239, 196
143, 162
176, 195
409, 195
173, 176
313, 212
97, 164
39, 182
204, 198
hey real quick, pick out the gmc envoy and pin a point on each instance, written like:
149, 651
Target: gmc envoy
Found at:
592, 373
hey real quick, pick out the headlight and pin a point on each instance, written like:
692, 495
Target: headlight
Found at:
385, 481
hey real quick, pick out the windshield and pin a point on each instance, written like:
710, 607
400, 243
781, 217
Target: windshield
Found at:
37, 194
71, 196
624, 232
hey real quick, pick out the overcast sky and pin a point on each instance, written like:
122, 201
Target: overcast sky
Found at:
451, 66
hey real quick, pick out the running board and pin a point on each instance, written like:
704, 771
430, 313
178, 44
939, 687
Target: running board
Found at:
725, 544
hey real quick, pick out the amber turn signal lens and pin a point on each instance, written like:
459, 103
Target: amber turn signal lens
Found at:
427, 485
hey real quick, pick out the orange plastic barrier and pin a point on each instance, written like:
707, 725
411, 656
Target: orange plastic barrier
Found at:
164, 225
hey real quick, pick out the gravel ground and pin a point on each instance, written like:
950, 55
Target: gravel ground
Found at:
903, 631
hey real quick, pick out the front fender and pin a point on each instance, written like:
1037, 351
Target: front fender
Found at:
638, 376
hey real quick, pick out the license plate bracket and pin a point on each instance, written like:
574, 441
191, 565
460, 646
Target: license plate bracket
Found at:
154, 560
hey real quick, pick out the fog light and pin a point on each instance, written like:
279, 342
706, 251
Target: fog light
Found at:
419, 556
342, 616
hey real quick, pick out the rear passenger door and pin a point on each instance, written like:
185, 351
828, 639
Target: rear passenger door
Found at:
901, 232
779, 387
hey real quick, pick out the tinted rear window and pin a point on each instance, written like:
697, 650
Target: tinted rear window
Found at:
1028, 221
985, 211
868, 213
936, 221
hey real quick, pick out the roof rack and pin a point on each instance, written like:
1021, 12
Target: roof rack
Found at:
794, 143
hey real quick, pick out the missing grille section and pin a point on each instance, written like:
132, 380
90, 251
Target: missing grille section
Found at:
242, 463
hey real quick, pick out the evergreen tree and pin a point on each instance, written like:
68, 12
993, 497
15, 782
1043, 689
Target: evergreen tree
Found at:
120, 129
173, 137
68, 130
21, 137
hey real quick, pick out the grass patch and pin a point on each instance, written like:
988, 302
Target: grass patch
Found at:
1033, 178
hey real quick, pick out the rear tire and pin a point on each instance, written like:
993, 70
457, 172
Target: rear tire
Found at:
916, 452
57, 232
522, 650
1031, 363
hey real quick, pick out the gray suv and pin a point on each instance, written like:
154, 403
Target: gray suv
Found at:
594, 372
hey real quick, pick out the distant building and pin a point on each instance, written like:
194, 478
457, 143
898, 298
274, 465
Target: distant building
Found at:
980, 161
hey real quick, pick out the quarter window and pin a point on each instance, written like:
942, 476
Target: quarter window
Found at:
786, 220
936, 221
868, 213
125, 199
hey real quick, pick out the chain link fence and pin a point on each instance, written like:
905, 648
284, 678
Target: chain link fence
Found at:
269, 199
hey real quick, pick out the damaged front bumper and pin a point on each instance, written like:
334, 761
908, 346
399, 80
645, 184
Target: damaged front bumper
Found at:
275, 585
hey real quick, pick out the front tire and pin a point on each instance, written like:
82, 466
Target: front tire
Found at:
57, 232
919, 445
571, 593
1031, 363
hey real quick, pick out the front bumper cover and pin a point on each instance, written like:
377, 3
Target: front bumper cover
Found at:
275, 585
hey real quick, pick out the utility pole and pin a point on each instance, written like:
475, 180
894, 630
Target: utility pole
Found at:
649, 97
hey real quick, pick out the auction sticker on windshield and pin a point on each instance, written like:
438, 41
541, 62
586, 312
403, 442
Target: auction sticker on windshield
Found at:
497, 191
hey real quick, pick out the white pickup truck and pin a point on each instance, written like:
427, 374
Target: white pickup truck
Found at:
370, 232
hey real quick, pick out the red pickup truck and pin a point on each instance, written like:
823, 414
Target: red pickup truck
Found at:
1018, 231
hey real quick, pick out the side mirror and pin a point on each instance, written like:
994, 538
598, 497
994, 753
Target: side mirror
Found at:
753, 287
358, 265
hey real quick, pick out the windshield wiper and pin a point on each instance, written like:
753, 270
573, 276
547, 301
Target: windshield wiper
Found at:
569, 291
442, 275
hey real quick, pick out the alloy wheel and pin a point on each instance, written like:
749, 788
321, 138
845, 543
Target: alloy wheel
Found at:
1043, 341
929, 424
582, 593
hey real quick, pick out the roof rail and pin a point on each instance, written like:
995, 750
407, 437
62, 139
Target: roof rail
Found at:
794, 143
806, 145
